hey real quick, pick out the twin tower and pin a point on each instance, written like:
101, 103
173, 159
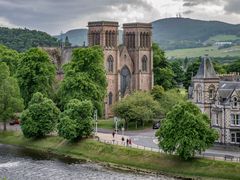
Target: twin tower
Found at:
129, 66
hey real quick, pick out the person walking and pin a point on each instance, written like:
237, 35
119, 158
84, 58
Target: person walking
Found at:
127, 142
123, 140
113, 134
130, 142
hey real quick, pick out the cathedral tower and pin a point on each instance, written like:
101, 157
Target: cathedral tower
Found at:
137, 37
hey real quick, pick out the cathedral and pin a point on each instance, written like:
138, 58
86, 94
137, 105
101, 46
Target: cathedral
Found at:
129, 66
219, 97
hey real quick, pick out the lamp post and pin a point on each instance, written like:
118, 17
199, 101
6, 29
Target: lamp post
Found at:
116, 122
95, 118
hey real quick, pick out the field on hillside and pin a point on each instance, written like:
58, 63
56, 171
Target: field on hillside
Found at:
223, 38
211, 51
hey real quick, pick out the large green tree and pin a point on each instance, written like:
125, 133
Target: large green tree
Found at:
234, 67
139, 107
36, 73
10, 57
185, 131
10, 98
76, 120
84, 78
40, 118
163, 73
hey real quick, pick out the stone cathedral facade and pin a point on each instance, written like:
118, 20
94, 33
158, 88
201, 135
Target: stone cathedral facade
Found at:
129, 66
219, 97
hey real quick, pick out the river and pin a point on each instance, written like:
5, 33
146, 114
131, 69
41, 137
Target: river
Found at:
22, 164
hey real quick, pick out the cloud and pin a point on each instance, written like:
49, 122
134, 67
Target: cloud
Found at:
187, 12
232, 6
55, 15
190, 3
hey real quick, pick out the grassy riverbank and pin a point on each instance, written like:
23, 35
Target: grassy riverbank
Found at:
128, 157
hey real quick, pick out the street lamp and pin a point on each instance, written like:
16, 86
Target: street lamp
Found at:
116, 122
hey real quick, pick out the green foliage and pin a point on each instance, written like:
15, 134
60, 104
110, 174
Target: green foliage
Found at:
10, 98
178, 72
35, 73
24, 39
234, 67
139, 107
84, 78
167, 99
10, 57
40, 118
163, 73
67, 43
76, 120
186, 131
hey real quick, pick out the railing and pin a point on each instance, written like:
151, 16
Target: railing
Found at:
222, 157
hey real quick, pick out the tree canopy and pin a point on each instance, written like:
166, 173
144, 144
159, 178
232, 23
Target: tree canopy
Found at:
84, 78
185, 131
35, 73
138, 107
10, 98
76, 120
40, 118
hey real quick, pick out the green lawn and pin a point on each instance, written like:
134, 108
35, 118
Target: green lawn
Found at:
223, 38
212, 51
110, 124
128, 158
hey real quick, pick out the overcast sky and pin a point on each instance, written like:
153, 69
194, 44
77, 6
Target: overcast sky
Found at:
54, 16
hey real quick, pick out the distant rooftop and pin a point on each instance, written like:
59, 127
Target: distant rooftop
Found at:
138, 25
103, 23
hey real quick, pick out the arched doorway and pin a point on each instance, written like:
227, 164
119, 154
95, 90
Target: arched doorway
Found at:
125, 81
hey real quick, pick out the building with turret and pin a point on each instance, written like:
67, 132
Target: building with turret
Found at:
219, 98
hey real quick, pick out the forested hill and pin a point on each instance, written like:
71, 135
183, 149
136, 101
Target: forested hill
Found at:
23, 39
175, 33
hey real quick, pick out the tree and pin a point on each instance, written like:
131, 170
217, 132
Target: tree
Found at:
67, 43
10, 57
85, 78
40, 118
10, 98
191, 72
234, 67
157, 92
185, 131
178, 72
76, 120
138, 107
163, 74
36, 73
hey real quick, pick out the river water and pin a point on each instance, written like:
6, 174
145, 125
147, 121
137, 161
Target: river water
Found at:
22, 164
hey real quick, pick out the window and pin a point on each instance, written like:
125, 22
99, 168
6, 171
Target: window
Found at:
110, 64
144, 63
199, 93
235, 120
234, 102
110, 96
235, 137
211, 92
216, 119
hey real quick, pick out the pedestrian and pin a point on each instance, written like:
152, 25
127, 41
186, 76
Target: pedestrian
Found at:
123, 140
113, 134
130, 142
127, 142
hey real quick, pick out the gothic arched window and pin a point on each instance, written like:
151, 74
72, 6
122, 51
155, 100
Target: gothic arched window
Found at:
211, 91
110, 97
144, 63
235, 102
199, 93
110, 63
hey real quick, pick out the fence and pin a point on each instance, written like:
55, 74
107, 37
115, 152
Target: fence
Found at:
222, 157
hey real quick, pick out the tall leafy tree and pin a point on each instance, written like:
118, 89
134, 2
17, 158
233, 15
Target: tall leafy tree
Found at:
185, 131
163, 73
234, 67
178, 72
40, 118
36, 73
85, 78
10, 98
10, 57
76, 120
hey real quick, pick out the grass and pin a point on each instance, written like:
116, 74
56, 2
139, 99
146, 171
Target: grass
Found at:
211, 51
110, 124
128, 157
223, 38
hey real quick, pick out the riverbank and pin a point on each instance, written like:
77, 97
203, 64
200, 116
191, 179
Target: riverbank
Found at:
127, 158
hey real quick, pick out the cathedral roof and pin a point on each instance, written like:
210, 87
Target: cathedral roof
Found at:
206, 69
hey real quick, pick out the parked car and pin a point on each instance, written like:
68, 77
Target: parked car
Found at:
156, 125
14, 121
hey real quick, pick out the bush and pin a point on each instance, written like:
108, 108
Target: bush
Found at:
76, 120
40, 118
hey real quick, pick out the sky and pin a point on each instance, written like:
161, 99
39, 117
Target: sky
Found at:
54, 16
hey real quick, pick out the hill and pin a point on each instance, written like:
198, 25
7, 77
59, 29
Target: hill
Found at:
23, 39
178, 33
